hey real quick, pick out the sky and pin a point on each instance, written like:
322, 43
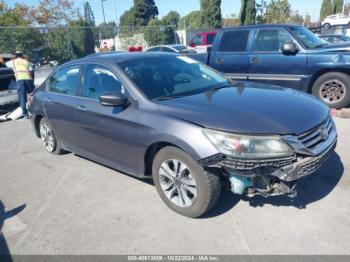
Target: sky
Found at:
115, 8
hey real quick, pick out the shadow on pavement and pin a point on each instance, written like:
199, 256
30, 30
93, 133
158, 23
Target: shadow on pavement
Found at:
4, 250
310, 189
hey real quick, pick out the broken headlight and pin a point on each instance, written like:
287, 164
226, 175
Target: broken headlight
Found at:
251, 147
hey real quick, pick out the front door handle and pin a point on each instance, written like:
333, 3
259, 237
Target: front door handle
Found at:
48, 100
254, 60
82, 108
220, 61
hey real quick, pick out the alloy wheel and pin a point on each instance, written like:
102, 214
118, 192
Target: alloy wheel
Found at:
47, 137
177, 183
332, 91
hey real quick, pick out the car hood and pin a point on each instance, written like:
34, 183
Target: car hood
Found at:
341, 48
249, 108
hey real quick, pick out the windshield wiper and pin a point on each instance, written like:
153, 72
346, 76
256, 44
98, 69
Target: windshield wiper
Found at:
168, 97
215, 88
320, 45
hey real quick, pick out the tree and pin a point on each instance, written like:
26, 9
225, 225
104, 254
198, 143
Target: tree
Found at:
144, 11
210, 13
261, 9
128, 18
81, 38
171, 19
338, 6
157, 34
56, 12
247, 14
88, 14
326, 9
278, 11
12, 39
191, 21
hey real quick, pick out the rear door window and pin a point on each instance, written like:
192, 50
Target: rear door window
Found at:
234, 41
99, 80
65, 80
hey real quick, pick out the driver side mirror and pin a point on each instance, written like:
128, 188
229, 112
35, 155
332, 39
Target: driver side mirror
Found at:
112, 99
289, 48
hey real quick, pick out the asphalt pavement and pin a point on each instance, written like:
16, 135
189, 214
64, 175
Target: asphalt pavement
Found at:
69, 205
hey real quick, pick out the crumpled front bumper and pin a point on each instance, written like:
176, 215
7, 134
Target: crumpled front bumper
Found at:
270, 176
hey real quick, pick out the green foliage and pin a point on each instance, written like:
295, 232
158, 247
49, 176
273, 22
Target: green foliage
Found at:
157, 34
81, 38
247, 14
210, 13
191, 21
140, 14
326, 9
128, 18
12, 39
171, 19
88, 14
337, 6
278, 12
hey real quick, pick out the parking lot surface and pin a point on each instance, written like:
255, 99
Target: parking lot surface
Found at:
69, 205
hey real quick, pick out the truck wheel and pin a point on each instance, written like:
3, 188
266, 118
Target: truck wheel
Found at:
47, 136
327, 26
333, 89
182, 184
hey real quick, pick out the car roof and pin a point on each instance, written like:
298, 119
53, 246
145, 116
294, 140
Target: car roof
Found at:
261, 26
115, 57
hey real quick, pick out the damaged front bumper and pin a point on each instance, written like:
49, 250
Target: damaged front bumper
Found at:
271, 177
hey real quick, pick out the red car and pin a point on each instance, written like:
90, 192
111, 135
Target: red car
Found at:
202, 39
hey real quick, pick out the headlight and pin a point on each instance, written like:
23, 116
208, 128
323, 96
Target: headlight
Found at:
243, 146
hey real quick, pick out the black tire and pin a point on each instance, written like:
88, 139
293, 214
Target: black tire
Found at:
208, 185
340, 101
56, 149
327, 26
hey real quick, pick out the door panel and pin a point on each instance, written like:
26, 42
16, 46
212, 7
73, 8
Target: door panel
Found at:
268, 63
232, 57
106, 134
59, 104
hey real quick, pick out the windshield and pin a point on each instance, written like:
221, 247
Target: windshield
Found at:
308, 38
170, 76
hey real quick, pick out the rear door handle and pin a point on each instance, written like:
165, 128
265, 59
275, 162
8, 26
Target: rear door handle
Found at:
220, 61
81, 108
48, 100
254, 60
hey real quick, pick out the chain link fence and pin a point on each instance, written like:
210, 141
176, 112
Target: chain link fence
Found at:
55, 45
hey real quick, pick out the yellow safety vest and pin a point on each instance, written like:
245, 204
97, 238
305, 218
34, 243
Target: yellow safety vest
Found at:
21, 69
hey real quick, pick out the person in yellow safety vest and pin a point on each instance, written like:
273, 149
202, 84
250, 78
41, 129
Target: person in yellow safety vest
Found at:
23, 80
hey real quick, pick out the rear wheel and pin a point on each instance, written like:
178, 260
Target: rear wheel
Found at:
48, 137
182, 184
333, 89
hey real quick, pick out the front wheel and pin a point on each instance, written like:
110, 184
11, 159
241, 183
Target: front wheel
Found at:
327, 26
333, 89
182, 184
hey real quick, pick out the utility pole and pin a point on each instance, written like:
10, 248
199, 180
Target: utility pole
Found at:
104, 17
